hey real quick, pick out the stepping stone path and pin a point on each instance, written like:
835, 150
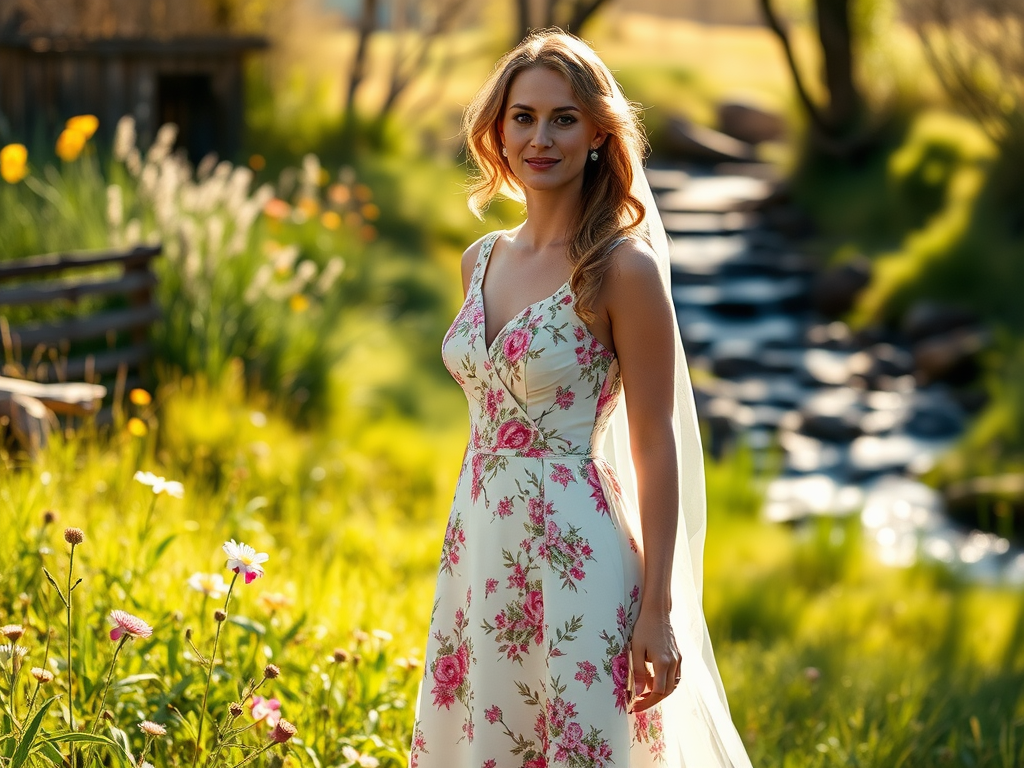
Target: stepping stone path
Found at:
854, 425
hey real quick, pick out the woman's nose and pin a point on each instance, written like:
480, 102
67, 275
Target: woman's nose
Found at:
542, 135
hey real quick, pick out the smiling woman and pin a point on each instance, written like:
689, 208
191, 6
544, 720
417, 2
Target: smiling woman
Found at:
556, 598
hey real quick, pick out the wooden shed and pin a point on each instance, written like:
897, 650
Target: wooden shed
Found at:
195, 82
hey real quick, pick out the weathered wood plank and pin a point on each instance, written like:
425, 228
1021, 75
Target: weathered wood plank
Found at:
78, 329
72, 290
57, 262
97, 364
74, 398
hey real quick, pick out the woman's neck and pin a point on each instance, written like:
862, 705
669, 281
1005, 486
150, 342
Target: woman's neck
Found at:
549, 214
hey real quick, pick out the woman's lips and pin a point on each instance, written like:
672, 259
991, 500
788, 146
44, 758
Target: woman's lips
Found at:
541, 163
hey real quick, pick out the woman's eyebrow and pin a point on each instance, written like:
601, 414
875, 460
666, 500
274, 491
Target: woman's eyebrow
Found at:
526, 108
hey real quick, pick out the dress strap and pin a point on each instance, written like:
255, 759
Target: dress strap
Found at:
482, 257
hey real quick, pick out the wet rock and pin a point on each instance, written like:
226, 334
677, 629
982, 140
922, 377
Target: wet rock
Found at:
833, 415
878, 454
791, 498
710, 223
951, 356
666, 179
881, 360
934, 415
733, 358
805, 454
749, 123
834, 336
835, 290
823, 367
716, 194
931, 318
695, 143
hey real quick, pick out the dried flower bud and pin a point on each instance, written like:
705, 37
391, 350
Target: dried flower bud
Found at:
150, 728
188, 633
12, 632
340, 655
219, 615
282, 732
49, 517
271, 671
108, 715
356, 658
74, 536
42, 675
236, 709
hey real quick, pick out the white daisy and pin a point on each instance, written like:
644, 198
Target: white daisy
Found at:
160, 484
245, 560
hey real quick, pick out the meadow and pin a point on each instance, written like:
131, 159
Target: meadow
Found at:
301, 410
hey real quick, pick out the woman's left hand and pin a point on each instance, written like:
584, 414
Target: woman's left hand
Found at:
655, 659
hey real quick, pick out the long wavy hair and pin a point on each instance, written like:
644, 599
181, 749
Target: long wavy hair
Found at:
607, 209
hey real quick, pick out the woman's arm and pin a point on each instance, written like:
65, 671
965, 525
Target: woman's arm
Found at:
640, 313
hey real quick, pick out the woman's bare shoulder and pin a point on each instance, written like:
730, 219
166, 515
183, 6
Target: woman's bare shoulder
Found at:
633, 268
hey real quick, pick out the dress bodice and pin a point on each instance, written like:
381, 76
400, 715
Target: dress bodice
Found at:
545, 387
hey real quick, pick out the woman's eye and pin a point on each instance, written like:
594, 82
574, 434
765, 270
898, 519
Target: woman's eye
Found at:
565, 119
522, 117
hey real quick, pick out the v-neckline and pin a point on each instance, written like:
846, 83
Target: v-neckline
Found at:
480, 293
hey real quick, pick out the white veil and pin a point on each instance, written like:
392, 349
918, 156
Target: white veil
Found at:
699, 731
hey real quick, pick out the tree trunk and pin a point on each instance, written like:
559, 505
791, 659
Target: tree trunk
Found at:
837, 46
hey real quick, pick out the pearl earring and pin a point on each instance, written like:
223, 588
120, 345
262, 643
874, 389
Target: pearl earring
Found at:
593, 155
504, 152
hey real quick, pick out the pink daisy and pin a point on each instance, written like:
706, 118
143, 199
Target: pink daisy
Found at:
245, 560
124, 623
267, 710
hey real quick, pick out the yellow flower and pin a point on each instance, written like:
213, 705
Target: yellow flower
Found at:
137, 427
257, 162
140, 397
274, 601
370, 212
84, 124
298, 303
70, 144
330, 220
309, 206
13, 163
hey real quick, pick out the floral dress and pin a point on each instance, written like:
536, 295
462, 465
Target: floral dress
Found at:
540, 579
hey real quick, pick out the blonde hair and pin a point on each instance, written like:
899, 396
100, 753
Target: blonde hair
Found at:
608, 210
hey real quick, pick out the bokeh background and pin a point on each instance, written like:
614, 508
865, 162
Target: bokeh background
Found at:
842, 181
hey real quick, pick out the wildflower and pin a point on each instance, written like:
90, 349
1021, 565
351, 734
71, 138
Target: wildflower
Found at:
140, 397
12, 632
13, 163
125, 624
210, 584
42, 675
330, 220
383, 635
243, 559
124, 137
267, 710
356, 757
161, 485
235, 708
360, 636
271, 671
276, 208
12, 652
257, 162
219, 615
152, 729
83, 124
70, 145
340, 656
137, 427
282, 732
298, 303
370, 212
309, 207
74, 536
49, 517
274, 601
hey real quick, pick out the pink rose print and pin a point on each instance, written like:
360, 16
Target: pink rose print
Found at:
490, 587
493, 401
562, 475
587, 673
504, 507
478, 470
579, 333
620, 679
493, 714
564, 398
489, 763
594, 481
516, 344
583, 356
514, 434
533, 610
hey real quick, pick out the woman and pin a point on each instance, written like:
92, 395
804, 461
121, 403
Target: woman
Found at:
551, 639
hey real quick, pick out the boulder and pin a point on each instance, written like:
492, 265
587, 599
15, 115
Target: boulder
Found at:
749, 123
931, 318
696, 143
950, 356
835, 290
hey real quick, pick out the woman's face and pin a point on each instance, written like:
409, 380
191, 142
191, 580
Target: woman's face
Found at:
545, 131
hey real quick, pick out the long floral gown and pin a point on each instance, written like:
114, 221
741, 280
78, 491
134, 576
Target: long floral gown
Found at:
540, 579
